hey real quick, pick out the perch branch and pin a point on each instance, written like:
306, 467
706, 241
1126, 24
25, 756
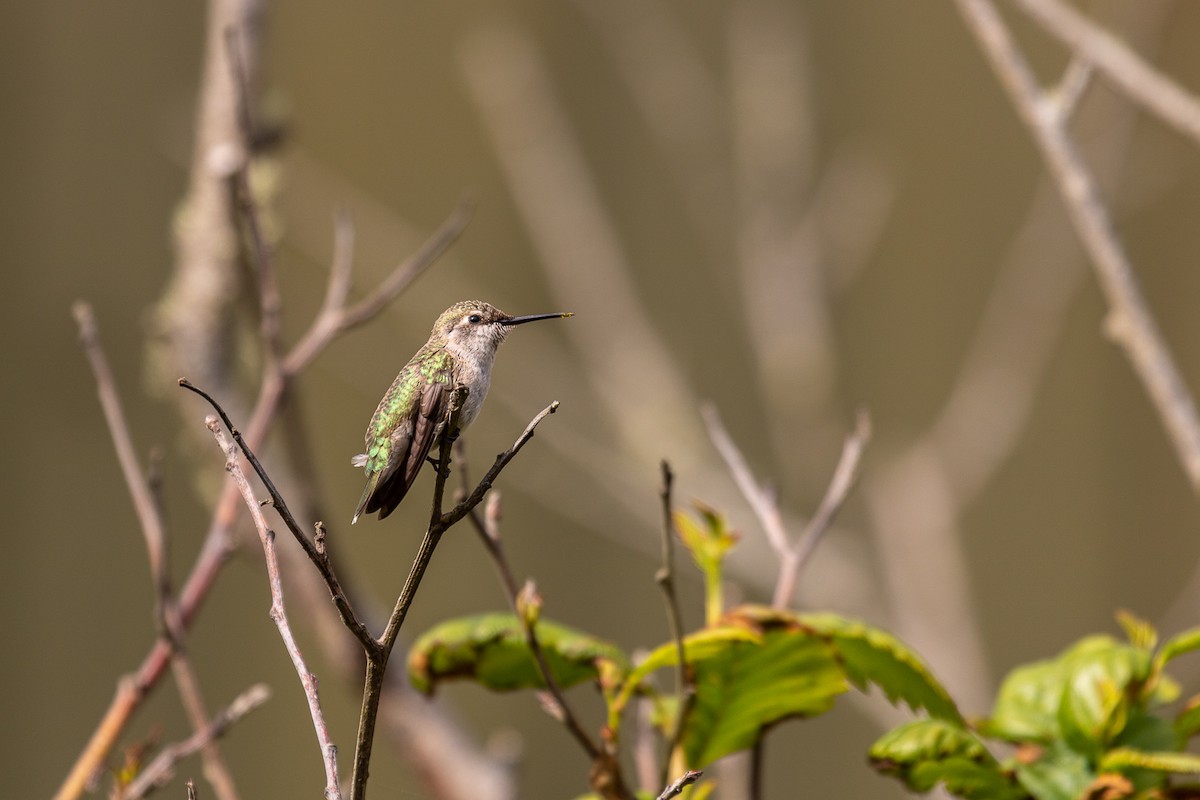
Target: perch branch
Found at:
377, 657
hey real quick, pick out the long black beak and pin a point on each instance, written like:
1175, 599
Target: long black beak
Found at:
534, 318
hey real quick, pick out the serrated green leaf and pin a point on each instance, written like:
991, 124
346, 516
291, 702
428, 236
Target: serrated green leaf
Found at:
490, 649
927, 752
1096, 701
1147, 732
1027, 706
872, 655
1059, 774
697, 647
1179, 644
749, 686
1123, 758
708, 538
1141, 633
1187, 724
1079, 695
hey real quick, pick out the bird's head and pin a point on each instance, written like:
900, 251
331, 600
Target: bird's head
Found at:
474, 327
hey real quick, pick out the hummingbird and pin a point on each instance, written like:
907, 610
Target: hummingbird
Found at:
461, 349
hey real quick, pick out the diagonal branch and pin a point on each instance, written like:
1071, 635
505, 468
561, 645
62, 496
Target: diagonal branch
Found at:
154, 532
162, 768
1130, 324
1138, 80
488, 529
316, 554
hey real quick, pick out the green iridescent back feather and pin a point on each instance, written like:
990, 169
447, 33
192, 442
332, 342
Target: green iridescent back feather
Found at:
387, 482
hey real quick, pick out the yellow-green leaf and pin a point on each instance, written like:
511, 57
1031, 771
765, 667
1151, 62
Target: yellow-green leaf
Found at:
1123, 758
927, 752
491, 650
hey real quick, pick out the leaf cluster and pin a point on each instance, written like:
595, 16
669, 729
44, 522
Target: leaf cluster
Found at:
1088, 723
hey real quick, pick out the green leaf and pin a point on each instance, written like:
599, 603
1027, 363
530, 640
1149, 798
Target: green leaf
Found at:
1141, 633
1027, 705
1096, 701
1123, 758
490, 649
746, 676
1179, 644
749, 686
1059, 773
927, 752
708, 538
1080, 695
871, 655
704, 644
1187, 724
1145, 733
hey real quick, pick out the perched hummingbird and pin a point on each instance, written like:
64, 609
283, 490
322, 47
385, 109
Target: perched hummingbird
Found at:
461, 349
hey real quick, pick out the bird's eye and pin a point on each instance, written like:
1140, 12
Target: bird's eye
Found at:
474, 319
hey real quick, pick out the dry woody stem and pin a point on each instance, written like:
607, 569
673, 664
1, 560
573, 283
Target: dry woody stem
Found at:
1130, 321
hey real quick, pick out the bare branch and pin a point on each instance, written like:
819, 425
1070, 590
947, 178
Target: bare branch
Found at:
154, 533
682, 782
685, 691
1130, 322
760, 499
336, 318
792, 555
318, 556
278, 613
147, 510
1140, 81
162, 768
844, 477
489, 533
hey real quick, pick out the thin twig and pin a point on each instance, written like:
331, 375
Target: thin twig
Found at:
792, 555
319, 557
1130, 321
278, 612
1138, 80
680, 783
149, 518
489, 534
760, 499
685, 692
156, 774
844, 477
270, 302
335, 317
154, 533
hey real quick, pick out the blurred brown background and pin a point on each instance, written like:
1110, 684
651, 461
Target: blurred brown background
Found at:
790, 209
